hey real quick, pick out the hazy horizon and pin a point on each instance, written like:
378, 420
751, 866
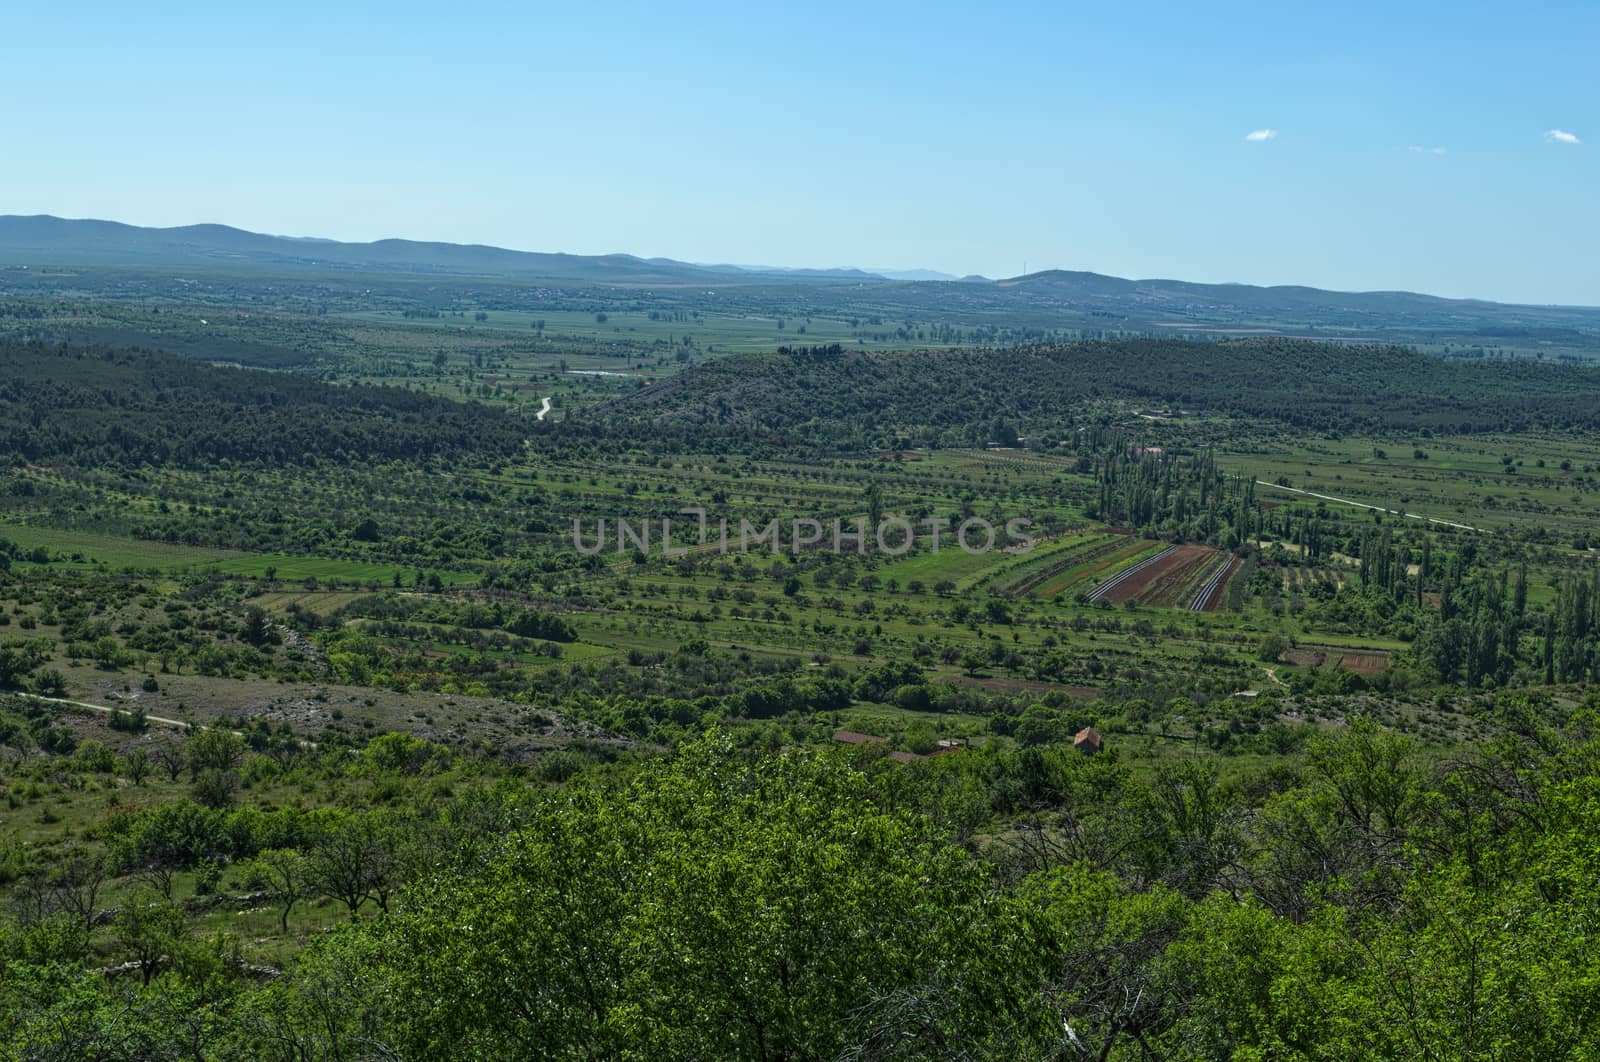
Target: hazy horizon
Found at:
887, 272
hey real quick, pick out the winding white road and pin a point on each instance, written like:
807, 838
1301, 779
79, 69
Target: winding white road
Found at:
1364, 505
109, 710
546, 409
106, 709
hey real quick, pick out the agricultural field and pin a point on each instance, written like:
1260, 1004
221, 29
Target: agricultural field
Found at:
1213, 592
73, 550
1083, 559
1497, 482
706, 332
1169, 579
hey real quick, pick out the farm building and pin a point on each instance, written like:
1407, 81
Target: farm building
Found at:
850, 737
1087, 741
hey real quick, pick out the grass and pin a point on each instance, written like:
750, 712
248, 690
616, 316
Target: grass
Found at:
323, 569
950, 562
749, 333
1464, 479
84, 551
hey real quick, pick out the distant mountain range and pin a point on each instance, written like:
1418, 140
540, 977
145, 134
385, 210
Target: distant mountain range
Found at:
46, 240
1165, 305
929, 275
1179, 304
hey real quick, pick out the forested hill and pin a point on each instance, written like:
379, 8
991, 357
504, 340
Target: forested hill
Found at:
101, 406
46, 240
1186, 303
960, 396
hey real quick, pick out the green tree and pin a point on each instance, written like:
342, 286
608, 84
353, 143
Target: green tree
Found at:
257, 627
1271, 648
149, 932
211, 749
286, 873
711, 908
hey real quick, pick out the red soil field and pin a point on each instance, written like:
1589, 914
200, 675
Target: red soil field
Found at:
1364, 663
1218, 598
1079, 568
1164, 583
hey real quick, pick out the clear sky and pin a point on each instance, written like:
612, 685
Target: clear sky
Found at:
1441, 147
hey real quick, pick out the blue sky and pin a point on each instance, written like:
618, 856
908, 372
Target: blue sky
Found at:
959, 137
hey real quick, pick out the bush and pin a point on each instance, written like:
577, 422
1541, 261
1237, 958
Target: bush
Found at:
215, 788
1272, 648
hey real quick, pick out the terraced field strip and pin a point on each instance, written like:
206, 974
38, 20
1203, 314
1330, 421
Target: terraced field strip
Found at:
1363, 660
1305, 657
1107, 588
1209, 598
960, 567
1031, 571
1364, 664
1007, 458
126, 552
115, 551
1169, 583
1102, 557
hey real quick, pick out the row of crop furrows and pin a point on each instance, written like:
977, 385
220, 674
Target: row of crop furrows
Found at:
1079, 566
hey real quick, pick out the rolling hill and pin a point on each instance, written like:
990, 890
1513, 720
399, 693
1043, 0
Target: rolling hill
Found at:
50, 241
1178, 303
1088, 303
851, 399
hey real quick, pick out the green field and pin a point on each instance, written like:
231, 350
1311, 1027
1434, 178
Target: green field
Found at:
86, 551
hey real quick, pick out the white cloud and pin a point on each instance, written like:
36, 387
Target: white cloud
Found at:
1262, 134
1561, 136
1418, 149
